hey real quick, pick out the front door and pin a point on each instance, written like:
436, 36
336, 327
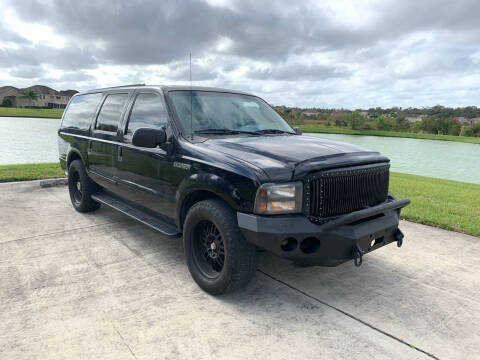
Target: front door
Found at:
102, 147
142, 172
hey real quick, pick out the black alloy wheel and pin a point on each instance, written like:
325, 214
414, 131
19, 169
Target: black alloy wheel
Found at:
81, 188
209, 250
219, 258
76, 190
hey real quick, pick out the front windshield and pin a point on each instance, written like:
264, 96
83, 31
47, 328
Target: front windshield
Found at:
216, 112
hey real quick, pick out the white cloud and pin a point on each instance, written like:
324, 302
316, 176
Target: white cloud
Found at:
35, 33
334, 53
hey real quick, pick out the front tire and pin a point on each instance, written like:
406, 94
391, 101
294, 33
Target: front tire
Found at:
81, 187
218, 257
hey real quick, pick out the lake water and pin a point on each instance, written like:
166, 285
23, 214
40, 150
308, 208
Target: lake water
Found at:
30, 140
435, 158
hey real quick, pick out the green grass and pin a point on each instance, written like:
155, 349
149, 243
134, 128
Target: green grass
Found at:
40, 113
447, 204
30, 172
451, 205
341, 130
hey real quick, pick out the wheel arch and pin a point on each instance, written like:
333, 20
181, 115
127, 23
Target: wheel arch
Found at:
193, 197
235, 190
74, 154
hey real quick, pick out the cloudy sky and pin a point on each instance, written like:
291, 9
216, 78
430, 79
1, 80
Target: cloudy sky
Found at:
329, 53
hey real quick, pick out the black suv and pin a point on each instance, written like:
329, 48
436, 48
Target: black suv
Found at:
224, 170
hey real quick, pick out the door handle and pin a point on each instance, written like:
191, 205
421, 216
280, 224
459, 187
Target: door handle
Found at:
120, 153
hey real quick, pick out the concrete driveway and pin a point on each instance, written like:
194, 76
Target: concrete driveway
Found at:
101, 286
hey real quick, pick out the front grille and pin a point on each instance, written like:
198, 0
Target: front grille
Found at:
340, 191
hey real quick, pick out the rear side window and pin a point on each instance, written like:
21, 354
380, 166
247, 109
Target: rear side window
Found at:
80, 111
111, 111
147, 112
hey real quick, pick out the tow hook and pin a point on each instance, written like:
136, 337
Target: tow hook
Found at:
357, 254
399, 237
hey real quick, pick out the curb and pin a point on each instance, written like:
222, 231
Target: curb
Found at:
53, 182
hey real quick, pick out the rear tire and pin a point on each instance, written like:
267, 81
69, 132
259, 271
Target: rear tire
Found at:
218, 256
81, 187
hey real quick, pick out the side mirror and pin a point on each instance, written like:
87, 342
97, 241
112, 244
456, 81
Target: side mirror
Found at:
297, 130
149, 138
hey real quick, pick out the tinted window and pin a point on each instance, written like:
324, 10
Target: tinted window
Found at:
215, 110
80, 111
147, 111
110, 113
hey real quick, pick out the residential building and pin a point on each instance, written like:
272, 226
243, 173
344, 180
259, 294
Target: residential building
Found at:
310, 113
464, 120
46, 97
413, 118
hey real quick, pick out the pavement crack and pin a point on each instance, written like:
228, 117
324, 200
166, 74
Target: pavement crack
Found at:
59, 232
351, 316
124, 342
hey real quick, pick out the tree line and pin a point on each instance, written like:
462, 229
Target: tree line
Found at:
434, 120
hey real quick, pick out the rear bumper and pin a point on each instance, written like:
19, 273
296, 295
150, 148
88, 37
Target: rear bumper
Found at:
296, 238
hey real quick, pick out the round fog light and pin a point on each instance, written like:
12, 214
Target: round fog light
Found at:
310, 245
289, 244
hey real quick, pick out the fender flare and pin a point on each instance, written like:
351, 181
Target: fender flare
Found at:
71, 152
209, 183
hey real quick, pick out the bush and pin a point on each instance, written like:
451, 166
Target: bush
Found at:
6, 102
368, 126
470, 130
356, 120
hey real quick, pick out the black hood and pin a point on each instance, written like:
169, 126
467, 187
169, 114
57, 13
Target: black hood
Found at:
291, 156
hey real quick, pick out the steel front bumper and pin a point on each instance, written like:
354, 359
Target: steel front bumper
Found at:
345, 238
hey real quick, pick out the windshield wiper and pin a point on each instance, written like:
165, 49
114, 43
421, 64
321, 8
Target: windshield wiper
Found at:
225, 132
274, 131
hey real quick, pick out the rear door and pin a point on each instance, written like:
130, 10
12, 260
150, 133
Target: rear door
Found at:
142, 172
102, 148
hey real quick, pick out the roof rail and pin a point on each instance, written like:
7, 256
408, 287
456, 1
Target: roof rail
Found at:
121, 86
114, 87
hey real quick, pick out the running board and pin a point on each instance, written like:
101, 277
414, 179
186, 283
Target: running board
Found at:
143, 217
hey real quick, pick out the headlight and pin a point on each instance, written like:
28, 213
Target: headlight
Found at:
279, 198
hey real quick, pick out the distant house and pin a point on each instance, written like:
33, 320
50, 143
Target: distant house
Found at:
310, 113
464, 120
414, 118
46, 97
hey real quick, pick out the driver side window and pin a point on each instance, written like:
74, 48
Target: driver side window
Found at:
147, 112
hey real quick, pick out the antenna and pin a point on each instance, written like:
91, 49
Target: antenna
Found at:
191, 99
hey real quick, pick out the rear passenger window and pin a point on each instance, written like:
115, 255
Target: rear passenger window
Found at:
80, 111
111, 111
147, 112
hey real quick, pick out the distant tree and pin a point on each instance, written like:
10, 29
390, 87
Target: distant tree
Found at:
469, 112
339, 117
7, 102
400, 123
383, 123
29, 95
454, 127
356, 120
470, 130
429, 124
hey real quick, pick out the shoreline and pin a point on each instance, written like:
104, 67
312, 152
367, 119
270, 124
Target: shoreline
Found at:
31, 113
306, 128
313, 129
